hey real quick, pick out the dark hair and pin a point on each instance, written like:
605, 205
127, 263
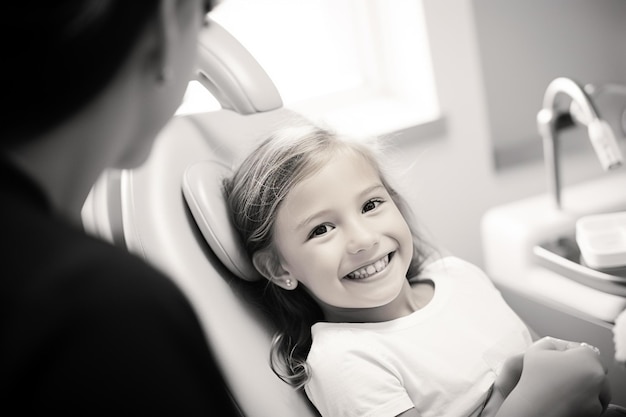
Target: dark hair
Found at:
58, 55
255, 193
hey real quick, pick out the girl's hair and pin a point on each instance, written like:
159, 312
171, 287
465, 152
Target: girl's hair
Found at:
254, 194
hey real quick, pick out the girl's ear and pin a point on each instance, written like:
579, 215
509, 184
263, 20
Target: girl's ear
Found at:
267, 263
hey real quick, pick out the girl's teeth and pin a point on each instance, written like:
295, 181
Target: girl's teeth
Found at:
370, 269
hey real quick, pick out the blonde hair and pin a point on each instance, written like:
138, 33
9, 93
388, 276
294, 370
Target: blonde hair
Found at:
254, 194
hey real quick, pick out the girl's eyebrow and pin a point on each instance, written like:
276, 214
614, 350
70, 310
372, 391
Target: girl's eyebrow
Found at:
321, 213
371, 189
311, 218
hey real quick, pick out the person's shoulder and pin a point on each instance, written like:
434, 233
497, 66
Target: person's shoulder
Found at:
331, 336
325, 333
335, 344
453, 267
52, 262
112, 275
450, 263
87, 275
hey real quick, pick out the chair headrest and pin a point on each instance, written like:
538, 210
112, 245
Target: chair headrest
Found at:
232, 74
239, 83
202, 188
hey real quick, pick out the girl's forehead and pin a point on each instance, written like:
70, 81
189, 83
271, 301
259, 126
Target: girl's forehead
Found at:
346, 162
339, 175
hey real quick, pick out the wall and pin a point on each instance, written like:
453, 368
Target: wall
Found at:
526, 44
451, 178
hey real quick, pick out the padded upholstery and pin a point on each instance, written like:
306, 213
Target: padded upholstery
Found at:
144, 210
232, 75
203, 191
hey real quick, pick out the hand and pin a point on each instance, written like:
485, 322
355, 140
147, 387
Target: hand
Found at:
564, 377
511, 371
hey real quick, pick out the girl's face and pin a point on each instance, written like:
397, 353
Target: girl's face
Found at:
339, 233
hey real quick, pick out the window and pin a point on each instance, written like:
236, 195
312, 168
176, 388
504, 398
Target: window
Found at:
362, 66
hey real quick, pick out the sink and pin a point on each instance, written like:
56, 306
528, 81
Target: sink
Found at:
562, 256
528, 246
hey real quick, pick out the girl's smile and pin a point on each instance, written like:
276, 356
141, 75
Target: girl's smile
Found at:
370, 269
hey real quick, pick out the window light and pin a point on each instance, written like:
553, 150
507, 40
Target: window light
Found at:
362, 66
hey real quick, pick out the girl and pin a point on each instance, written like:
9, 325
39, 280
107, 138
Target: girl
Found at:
370, 319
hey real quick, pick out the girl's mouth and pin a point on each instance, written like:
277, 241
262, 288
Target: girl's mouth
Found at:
371, 269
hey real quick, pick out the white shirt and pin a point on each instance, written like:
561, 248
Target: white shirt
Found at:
441, 359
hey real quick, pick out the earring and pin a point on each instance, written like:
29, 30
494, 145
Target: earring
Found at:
288, 282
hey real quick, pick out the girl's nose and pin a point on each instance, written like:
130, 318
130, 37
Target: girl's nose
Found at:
360, 238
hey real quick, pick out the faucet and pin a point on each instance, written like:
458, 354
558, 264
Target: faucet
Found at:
551, 120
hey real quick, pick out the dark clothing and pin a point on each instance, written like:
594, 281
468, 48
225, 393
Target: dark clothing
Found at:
89, 329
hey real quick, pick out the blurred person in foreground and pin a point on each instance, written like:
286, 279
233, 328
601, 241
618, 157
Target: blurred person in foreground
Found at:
87, 328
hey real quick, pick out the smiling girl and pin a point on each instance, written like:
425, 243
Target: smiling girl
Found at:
370, 319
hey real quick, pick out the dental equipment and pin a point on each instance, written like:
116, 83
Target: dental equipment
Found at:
550, 121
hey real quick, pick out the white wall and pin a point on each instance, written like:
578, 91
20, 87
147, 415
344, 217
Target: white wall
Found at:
451, 181
526, 44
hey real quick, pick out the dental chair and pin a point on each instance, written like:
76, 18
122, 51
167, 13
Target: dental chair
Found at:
152, 211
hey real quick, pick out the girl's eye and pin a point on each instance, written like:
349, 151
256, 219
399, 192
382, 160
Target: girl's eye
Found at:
320, 230
371, 205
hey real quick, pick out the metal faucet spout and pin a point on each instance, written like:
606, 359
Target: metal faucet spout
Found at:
581, 110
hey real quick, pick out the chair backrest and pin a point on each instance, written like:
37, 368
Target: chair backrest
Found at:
145, 211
